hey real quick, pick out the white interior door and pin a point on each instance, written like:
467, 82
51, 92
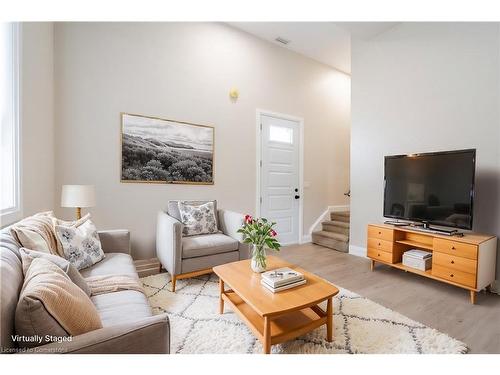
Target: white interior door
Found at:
280, 188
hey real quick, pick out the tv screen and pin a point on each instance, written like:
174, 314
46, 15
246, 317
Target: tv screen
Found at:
437, 187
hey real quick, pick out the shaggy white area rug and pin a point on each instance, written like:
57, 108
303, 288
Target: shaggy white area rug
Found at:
361, 325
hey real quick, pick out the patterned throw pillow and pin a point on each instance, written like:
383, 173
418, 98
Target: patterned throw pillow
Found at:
81, 244
65, 223
199, 219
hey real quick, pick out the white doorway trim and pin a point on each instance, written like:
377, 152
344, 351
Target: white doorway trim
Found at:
258, 155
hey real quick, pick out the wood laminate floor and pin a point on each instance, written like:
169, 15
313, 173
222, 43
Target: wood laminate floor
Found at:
435, 304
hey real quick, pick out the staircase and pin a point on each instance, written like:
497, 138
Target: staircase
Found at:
335, 232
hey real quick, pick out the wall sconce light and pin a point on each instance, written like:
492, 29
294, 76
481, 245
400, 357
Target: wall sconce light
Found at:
234, 94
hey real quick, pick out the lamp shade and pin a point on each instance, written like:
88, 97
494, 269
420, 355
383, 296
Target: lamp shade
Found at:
78, 196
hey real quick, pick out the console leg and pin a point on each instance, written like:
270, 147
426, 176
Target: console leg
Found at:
372, 265
472, 297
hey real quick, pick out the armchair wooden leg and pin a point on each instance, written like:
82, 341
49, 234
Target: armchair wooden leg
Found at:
187, 275
173, 283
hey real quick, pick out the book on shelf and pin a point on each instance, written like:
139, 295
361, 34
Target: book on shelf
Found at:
283, 287
281, 276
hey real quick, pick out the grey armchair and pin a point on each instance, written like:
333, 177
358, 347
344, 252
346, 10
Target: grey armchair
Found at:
185, 257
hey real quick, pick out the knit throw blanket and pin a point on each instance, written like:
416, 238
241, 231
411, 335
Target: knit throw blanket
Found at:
64, 301
40, 224
113, 283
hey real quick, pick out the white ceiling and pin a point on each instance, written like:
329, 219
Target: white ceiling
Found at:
326, 42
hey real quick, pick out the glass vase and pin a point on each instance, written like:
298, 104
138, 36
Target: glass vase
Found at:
258, 263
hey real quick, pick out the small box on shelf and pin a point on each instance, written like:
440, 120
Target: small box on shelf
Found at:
418, 259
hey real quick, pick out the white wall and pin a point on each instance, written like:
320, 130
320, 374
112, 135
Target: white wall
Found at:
37, 117
184, 71
425, 87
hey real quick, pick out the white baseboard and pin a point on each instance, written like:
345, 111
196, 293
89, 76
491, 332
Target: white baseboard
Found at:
359, 251
496, 287
306, 238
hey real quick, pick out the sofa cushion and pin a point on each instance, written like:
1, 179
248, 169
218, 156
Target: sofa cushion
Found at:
27, 257
36, 232
209, 261
30, 238
173, 208
198, 219
207, 244
81, 244
121, 307
66, 223
9, 242
50, 304
113, 264
11, 282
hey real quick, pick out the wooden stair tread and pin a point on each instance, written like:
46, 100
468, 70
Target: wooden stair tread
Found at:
332, 235
336, 223
341, 213
343, 216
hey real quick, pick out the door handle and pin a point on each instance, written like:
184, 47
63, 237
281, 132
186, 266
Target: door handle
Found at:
297, 196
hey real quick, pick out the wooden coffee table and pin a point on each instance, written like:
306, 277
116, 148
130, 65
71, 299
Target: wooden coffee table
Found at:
276, 317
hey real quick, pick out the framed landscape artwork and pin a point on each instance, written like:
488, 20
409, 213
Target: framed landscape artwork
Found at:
166, 151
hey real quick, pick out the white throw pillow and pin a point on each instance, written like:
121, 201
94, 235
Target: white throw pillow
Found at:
198, 219
81, 244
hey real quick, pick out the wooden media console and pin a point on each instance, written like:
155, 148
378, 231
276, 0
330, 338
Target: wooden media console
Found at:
467, 262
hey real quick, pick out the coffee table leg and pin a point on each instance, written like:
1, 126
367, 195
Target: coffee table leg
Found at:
267, 335
221, 301
329, 320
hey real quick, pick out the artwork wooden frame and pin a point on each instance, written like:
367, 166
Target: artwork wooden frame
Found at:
163, 151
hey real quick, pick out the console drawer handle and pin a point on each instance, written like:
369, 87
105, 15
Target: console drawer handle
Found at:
379, 232
451, 275
452, 262
378, 254
453, 247
379, 243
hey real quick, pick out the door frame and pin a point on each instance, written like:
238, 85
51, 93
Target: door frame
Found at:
258, 156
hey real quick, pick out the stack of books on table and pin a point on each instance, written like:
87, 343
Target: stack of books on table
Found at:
282, 279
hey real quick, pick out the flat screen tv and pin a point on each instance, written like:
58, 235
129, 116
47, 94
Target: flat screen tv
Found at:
433, 188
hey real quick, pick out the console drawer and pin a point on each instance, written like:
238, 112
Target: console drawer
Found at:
456, 276
380, 233
455, 248
380, 255
379, 244
454, 262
